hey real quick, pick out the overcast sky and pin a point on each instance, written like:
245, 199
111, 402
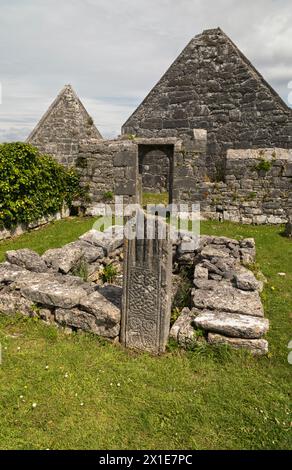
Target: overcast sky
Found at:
114, 51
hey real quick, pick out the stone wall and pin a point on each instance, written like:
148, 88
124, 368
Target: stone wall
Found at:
225, 300
108, 168
62, 127
257, 188
22, 228
213, 86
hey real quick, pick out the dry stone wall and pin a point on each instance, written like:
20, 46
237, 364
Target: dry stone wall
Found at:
225, 301
257, 188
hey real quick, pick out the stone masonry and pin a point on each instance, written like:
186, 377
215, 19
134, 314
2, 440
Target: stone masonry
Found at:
63, 126
213, 86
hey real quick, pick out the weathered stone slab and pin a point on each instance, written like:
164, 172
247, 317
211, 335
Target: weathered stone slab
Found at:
86, 321
12, 303
63, 259
147, 286
27, 259
234, 325
10, 272
101, 308
257, 347
90, 253
228, 299
53, 294
111, 239
245, 280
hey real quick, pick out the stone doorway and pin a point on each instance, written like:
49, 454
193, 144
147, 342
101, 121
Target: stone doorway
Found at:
156, 170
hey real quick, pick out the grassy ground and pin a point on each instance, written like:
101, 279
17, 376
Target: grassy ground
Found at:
91, 394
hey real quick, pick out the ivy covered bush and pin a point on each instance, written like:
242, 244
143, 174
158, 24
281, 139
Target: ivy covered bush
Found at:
33, 185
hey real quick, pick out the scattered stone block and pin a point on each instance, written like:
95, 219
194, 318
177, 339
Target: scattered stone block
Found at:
53, 294
233, 325
27, 259
228, 299
257, 347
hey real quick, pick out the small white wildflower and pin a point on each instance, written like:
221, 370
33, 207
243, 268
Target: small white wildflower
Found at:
18, 349
118, 384
21, 397
34, 405
82, 404
46, 367
111, 384
66, 376
5, 347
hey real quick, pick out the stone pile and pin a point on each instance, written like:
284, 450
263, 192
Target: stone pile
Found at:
226, 305
45, 286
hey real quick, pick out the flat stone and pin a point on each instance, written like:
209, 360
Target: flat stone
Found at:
90, 253
212, 252
27, 259
257, 347
62, 259
112, 293
228, 299
111, 239
201, 272
53, 294
10, 272
245, 280
102, 309
233, 325
75, 318
13, 302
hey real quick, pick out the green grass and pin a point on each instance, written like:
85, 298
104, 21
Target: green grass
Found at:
54, 235
202, 399
155, 198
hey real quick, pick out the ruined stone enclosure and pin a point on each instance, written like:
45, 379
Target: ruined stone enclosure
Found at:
212, 131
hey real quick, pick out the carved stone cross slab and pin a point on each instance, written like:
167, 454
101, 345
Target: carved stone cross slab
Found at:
147, 285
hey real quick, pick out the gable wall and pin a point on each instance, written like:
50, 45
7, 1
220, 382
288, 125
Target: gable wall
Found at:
214, 87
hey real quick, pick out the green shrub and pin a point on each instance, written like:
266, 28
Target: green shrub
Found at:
108, 196
33, 185
263, 165
109, 273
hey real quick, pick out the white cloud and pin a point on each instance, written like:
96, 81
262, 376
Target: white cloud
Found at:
113, 52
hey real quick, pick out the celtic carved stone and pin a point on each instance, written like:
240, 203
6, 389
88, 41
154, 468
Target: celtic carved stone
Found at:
147, 286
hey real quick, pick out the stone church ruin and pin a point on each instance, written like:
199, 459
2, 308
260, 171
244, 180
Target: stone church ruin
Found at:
212, 131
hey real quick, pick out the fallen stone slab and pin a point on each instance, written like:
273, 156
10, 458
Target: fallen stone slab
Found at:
102, 309
90, 253
27, 259
76, 318
10, 272
246, 280
12, 303
228, 299
201, 272
62, 259
211, 252
233, 325
53, 294
111, 239
257, 347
